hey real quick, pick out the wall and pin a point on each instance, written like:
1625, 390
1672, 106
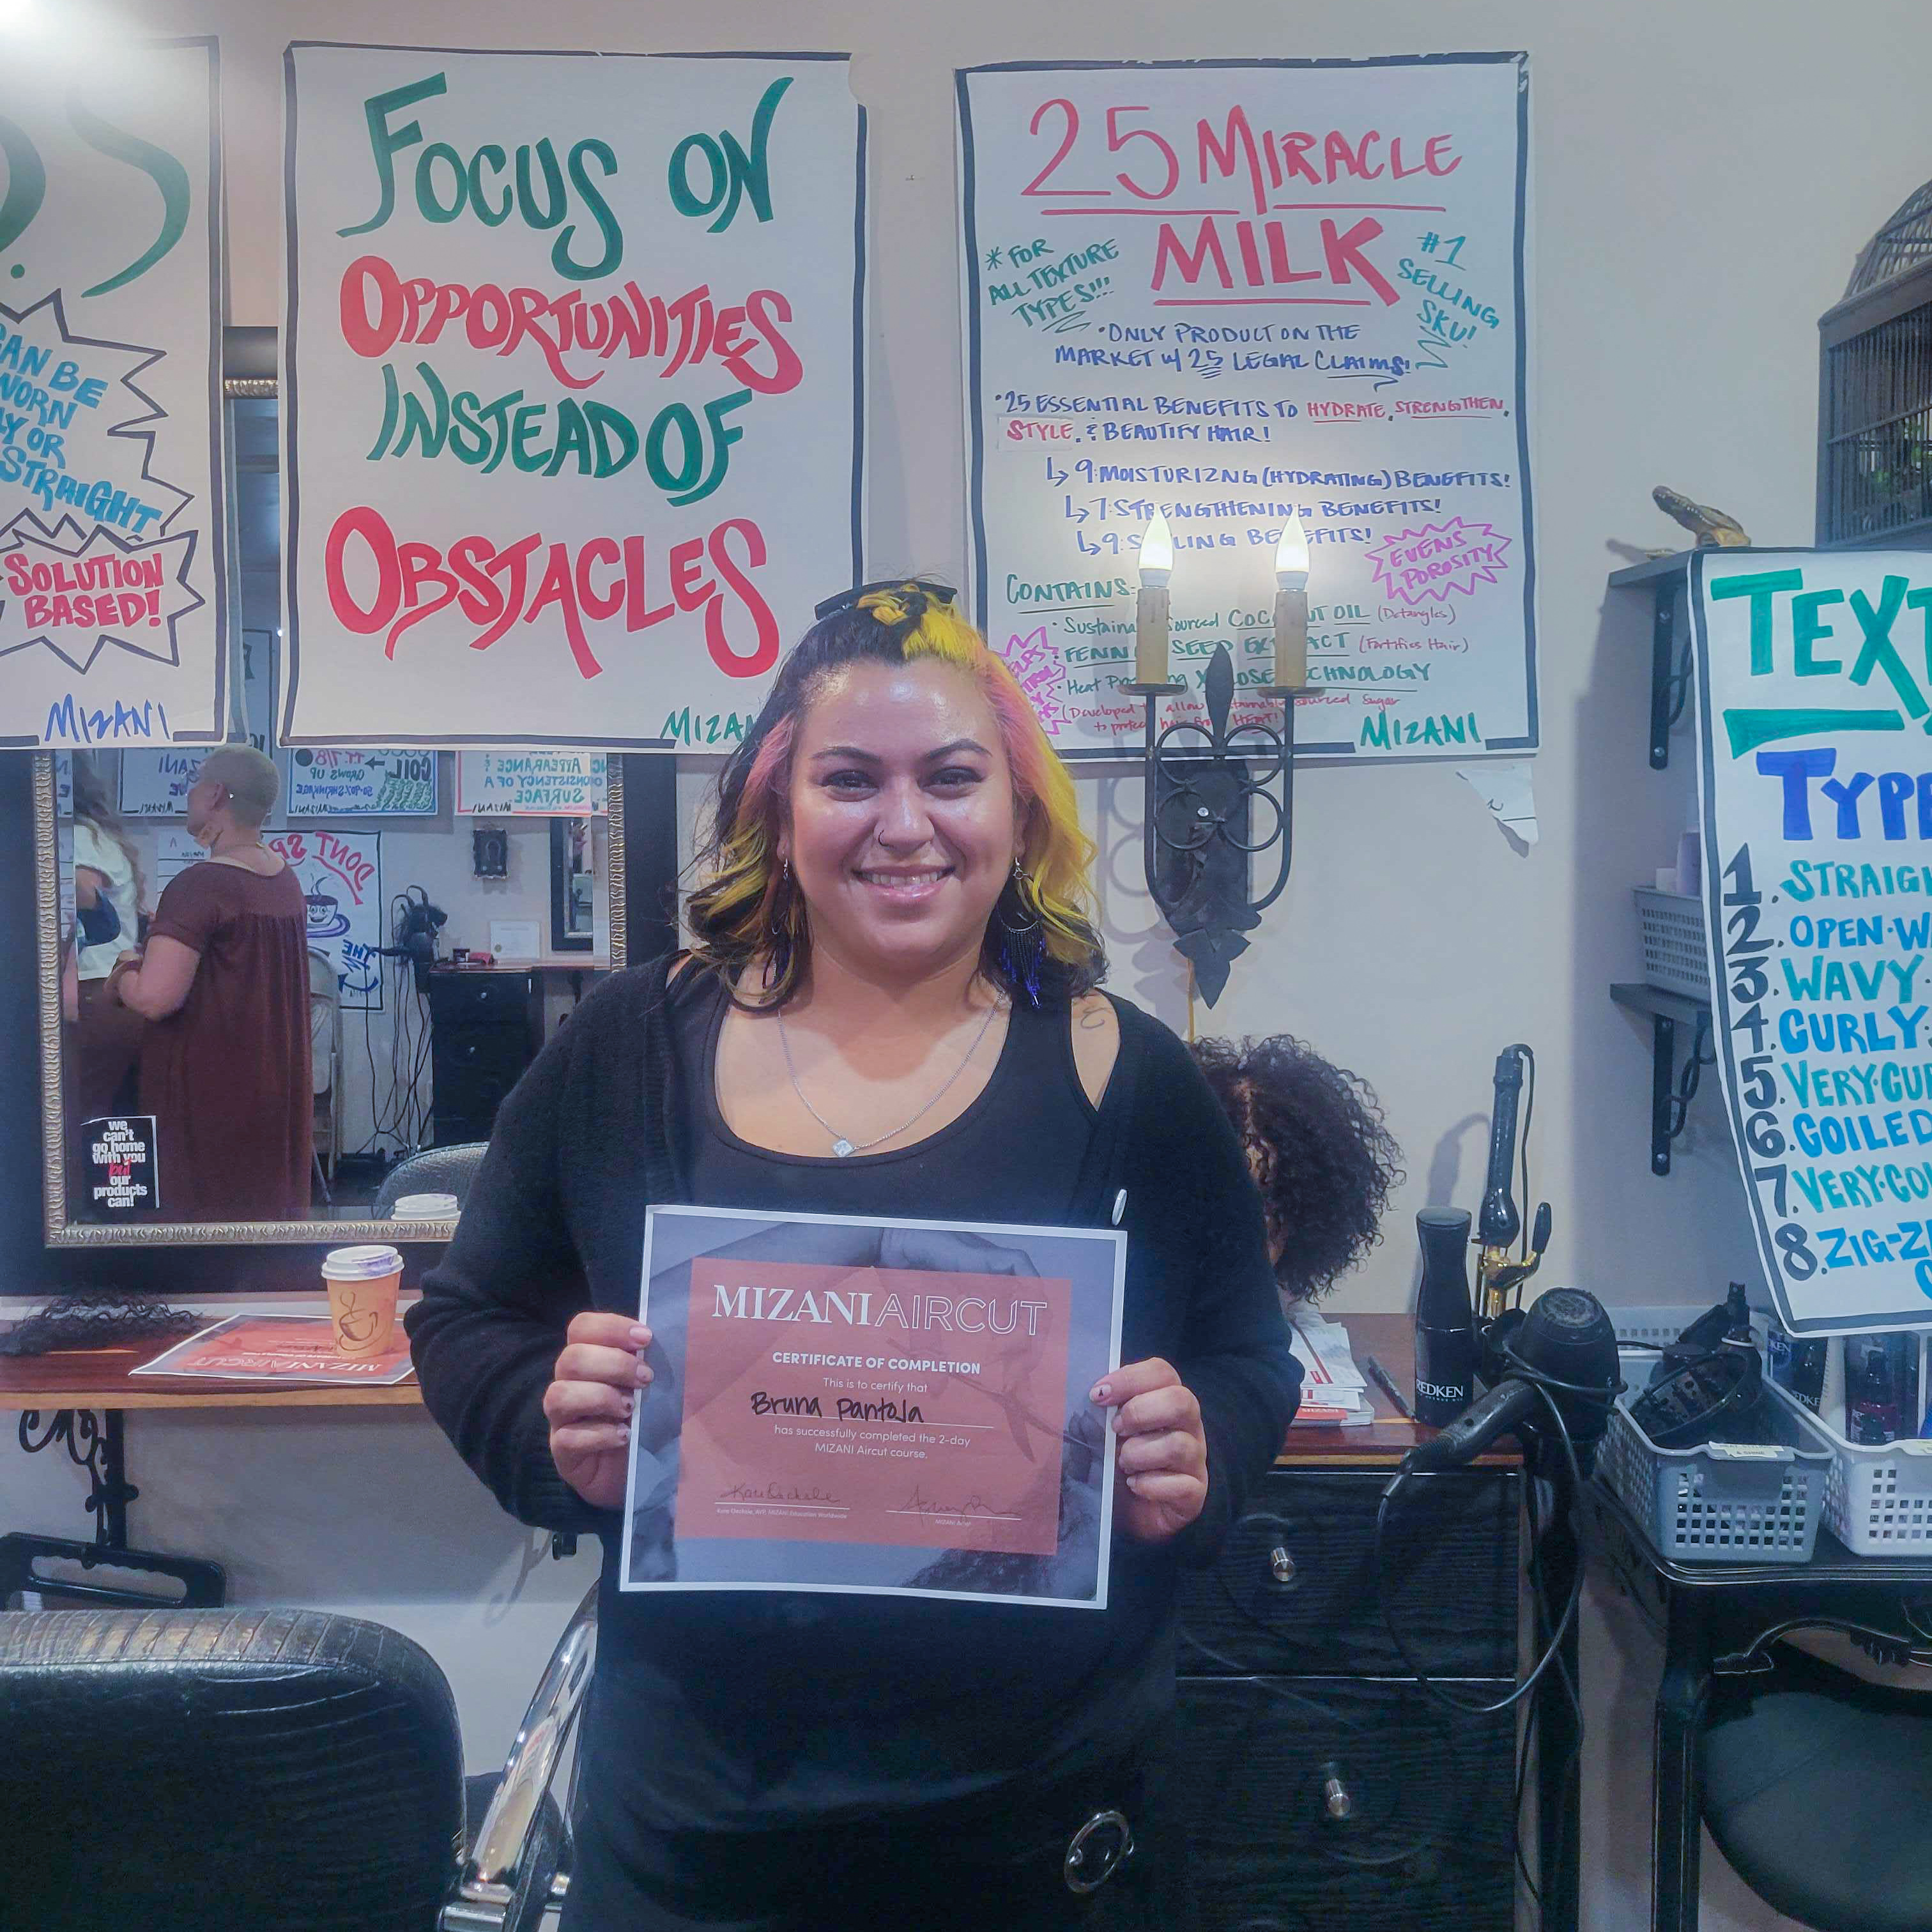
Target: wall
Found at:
1703, 178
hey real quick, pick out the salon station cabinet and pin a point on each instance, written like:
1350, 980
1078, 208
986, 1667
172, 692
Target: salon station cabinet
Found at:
1324, 1786
486, 1025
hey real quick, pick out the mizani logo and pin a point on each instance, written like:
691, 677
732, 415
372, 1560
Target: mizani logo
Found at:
964, 1315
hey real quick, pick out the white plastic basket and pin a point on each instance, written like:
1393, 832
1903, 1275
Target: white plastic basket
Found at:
1878, 1498
1878, 1501
1672, 928
1718, 1502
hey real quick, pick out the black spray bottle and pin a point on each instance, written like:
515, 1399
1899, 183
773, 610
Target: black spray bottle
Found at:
1445, 1325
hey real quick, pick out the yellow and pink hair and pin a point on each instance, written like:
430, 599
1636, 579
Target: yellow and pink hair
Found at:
747, 909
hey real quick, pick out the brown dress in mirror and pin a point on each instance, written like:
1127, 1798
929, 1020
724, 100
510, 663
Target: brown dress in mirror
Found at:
226, 1077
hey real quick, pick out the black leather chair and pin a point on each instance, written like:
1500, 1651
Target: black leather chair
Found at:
443, 1170
1817, 1786
266, 1771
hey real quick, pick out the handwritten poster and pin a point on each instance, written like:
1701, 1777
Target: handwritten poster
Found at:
572, 388
155, 784
369, 784
112, 605
1237, 291
1816, 783
547, 785
340, 874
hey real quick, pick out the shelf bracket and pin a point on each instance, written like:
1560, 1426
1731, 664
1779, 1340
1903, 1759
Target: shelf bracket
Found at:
1672, 1092
1670, 666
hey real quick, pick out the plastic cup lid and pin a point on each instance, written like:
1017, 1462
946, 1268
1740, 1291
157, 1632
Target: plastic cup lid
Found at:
424, 1208
369, 1263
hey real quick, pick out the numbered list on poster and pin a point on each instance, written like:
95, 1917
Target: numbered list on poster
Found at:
1816, 793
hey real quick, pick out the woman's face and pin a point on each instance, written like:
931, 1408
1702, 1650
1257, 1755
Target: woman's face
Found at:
903, 829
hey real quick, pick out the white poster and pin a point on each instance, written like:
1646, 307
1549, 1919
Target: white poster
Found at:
155, 784
340, 874
1815, 688
113, 603
548, 784
369, 785
1237, 291
572, 383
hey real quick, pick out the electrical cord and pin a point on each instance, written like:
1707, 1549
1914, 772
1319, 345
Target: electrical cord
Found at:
1543, 1384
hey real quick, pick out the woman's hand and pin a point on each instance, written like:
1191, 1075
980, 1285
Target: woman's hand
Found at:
1162, 1455
592, 1391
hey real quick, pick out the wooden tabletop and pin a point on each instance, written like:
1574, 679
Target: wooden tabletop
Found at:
1390, 1339
100, 1378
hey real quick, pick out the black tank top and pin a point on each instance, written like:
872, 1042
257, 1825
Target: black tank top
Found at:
697, 1719
1014, 1155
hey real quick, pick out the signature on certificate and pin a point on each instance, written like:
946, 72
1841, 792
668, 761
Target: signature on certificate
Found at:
775, 1493
919, 1503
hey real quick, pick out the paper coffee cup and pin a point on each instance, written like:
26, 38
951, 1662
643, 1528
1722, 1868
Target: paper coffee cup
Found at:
424, 1208
362, 1284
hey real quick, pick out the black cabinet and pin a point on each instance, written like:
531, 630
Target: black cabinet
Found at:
484, 1029
1298, 1708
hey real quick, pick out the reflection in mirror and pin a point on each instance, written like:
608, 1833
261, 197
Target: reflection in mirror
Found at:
269, 977
572, 881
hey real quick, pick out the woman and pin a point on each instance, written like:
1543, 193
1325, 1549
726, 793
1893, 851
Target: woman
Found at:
889, 1012
224, 983
106, 1039
1317, 1149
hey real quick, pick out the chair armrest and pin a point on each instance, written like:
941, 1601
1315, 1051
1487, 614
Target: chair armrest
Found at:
490, 1873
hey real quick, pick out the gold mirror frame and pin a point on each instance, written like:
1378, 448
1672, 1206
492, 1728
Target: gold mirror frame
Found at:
62, 1232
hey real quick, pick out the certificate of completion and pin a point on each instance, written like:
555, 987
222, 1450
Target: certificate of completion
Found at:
881, 1407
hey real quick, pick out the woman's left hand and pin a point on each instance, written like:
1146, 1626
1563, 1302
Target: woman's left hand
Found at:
1163, 1453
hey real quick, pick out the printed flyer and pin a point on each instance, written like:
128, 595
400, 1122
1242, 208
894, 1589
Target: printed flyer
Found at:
280, 1348
572, 389
882, 1408
1238, 293
1814, 684
112, 597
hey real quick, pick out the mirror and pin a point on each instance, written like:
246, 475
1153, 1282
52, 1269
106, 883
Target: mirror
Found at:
331, 988
572, 886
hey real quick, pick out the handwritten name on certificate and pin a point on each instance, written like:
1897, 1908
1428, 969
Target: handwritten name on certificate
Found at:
878, 1407
923, 1408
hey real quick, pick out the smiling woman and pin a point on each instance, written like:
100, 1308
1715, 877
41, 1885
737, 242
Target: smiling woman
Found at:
889, 1018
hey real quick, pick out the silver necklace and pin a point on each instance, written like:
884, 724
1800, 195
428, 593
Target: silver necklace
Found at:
841, 1146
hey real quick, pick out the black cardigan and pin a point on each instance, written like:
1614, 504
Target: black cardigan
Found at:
595, 1131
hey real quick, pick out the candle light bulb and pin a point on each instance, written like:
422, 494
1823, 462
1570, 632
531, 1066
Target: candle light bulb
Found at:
1291, 557
1156, 557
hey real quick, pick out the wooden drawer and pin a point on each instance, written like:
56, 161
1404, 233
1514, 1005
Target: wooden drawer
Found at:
1451, 1558
1427, 1847
494, 999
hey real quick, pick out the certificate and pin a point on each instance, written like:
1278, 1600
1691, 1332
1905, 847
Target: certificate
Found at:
878, 1407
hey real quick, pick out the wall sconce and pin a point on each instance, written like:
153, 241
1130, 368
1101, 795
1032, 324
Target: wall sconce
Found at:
1200, 796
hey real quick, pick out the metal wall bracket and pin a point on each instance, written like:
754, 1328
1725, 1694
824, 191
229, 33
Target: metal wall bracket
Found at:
1667, 580
99, 1446
1672, 1090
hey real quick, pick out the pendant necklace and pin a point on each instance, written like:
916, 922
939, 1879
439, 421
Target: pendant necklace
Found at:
841, 1146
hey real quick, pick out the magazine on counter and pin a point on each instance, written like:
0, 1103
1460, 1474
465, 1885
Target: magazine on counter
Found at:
280, 1348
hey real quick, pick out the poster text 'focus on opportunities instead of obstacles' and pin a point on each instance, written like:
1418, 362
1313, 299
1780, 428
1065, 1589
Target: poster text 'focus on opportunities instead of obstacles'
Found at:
572, 378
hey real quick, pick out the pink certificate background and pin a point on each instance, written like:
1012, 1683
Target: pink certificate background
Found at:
994, 1485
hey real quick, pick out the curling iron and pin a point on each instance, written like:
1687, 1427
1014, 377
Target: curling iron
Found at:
1499, 1278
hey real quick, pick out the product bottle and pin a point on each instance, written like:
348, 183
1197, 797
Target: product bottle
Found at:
1445, 1324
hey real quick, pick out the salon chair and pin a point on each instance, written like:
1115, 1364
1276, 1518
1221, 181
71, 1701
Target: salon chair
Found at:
442, 1170
1817, 1786
267, 1770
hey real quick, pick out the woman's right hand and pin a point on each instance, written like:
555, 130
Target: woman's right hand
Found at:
592, 1391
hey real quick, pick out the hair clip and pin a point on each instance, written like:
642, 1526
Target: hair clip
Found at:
940, 593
